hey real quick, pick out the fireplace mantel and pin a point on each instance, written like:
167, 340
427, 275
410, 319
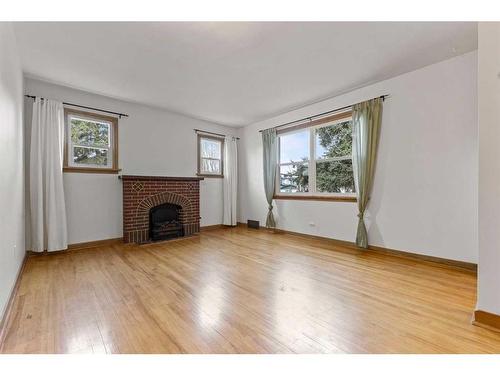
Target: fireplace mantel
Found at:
160, 178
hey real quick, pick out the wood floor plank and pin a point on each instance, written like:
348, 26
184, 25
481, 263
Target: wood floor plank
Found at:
243, 291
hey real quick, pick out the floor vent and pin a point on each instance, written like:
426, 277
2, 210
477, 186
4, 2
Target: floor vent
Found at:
254, 224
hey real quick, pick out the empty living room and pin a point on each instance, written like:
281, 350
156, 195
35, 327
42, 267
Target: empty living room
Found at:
247, 183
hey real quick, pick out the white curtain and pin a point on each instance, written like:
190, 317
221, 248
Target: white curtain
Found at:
230, 180
48, 212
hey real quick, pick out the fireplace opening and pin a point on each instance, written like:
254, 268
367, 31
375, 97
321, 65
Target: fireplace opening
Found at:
164, 222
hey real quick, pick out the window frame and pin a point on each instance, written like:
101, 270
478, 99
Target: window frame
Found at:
112, 150
312, 194
213, 138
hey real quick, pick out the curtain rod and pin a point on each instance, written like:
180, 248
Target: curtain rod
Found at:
83, 106
207, 132
321, 114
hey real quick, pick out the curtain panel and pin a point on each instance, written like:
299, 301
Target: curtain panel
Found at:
230, 180
270, 159
367, 117
46, 191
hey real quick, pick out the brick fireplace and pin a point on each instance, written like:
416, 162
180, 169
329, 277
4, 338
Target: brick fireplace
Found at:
143, 193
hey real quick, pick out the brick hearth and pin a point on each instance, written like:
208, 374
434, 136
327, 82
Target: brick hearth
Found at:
141, 193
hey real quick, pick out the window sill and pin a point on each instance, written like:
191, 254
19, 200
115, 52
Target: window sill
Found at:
316, 198
91, 170
210, 175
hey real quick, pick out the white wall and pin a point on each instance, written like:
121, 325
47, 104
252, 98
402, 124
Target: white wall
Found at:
425, 192
489, 167
12, 248
151, 142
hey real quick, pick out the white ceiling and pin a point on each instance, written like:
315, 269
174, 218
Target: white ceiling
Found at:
233, 73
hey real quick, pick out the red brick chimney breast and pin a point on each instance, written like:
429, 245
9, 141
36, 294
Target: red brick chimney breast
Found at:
141, 193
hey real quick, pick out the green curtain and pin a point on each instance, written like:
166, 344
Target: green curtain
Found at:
270, 157
366, 120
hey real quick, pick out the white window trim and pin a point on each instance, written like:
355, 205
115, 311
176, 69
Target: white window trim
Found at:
71, 145
311, 162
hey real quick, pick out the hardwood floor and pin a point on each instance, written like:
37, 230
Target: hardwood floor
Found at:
243, 291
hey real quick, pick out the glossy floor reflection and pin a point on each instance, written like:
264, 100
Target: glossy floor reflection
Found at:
243, 291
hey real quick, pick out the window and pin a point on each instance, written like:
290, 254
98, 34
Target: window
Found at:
315, 160
210, 156
91, 142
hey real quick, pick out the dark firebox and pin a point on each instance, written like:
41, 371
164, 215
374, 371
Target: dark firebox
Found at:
164, 222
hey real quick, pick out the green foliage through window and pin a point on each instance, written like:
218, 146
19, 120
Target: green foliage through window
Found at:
334, 174
90, 142
294, 178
